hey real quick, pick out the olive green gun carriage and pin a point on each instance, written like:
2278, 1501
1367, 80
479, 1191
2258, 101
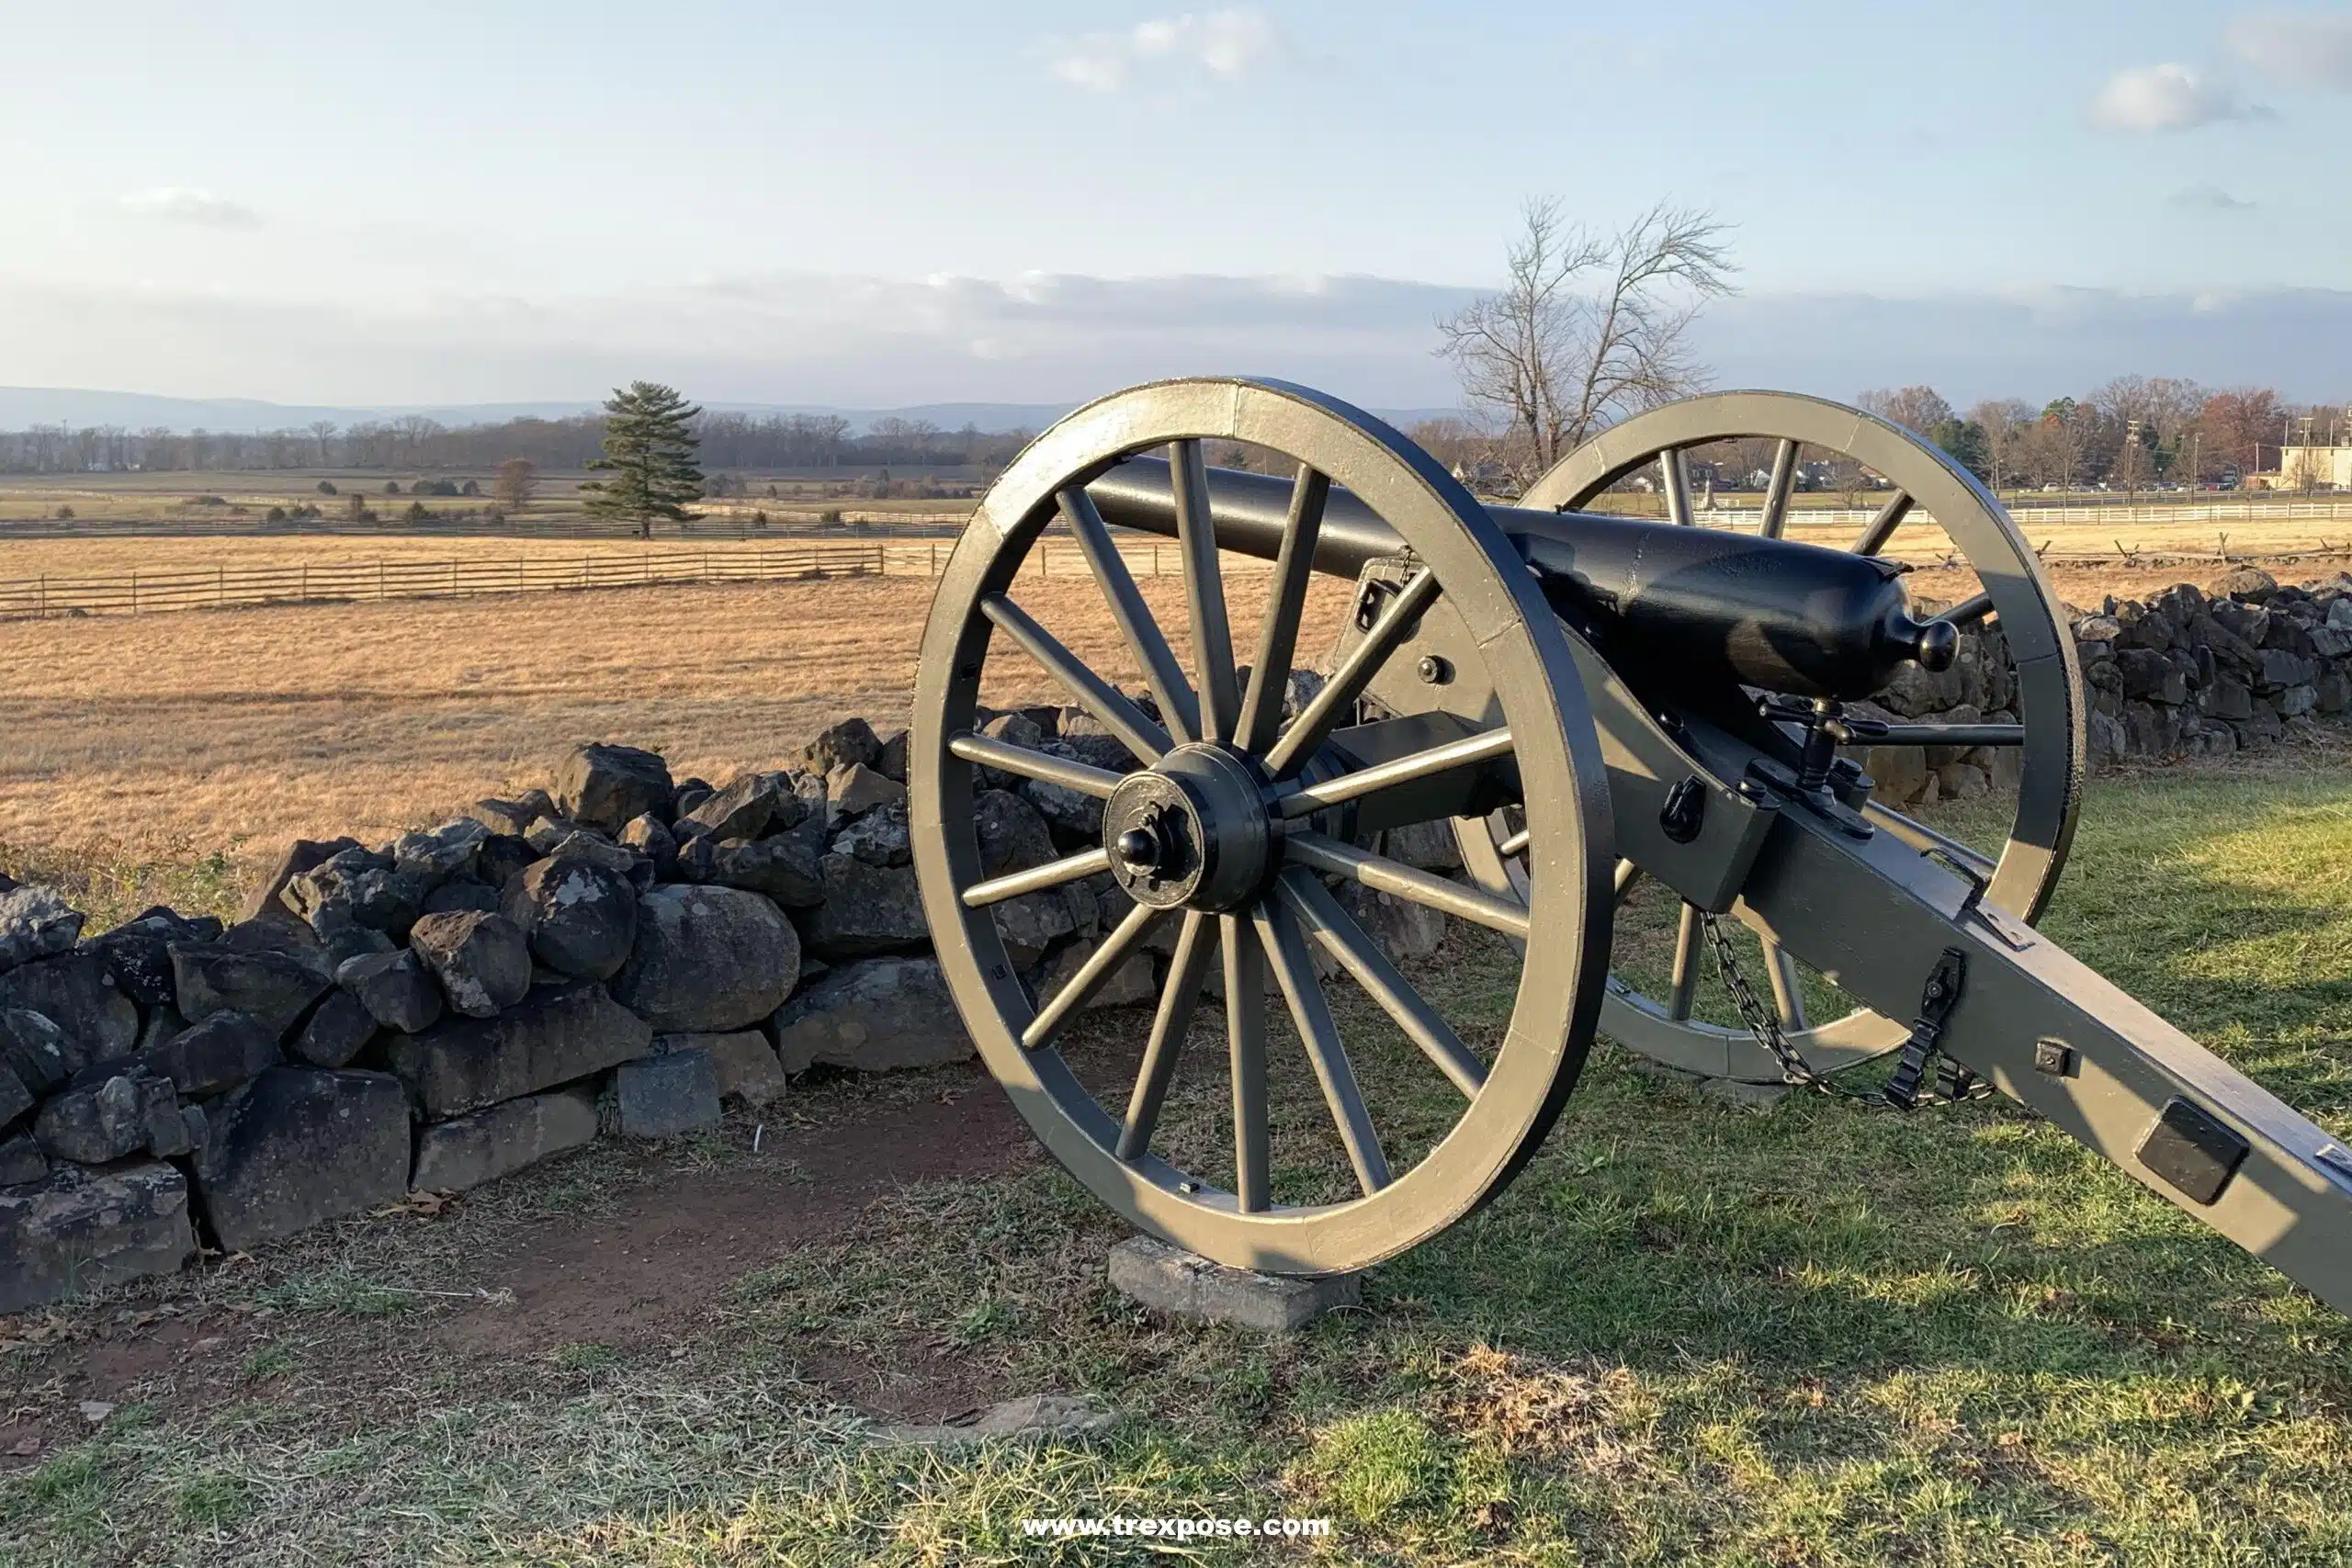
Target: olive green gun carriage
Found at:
1589, 701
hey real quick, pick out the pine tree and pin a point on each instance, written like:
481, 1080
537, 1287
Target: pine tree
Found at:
650, 451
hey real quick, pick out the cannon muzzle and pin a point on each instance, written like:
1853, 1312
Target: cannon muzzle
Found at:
1673, 607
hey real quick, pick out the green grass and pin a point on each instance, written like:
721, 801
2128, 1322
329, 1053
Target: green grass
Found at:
1690, 1334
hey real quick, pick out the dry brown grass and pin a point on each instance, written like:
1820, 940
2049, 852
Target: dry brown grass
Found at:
234, 730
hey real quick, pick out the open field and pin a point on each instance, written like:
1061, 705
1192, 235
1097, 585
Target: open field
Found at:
1690, 1334
165, 739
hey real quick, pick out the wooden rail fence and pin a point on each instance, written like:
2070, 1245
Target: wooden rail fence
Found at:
224, 586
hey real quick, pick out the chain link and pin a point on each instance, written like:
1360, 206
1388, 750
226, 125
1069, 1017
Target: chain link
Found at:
1764, 1023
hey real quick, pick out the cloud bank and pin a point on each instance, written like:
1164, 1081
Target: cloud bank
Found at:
873, 342
185, 204
2167, 97
1217, 46
2297, 48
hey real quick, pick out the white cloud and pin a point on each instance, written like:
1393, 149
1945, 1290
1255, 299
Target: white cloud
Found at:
2167, 97
2208, 198
1224, 46
2301, 48
186, 204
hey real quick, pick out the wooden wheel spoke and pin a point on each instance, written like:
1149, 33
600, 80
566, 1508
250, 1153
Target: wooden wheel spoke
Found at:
1787, 984
1245, 1032
1036, 878
1514, 845
1069, 773
1484, 747
1775, 520
1355, 673
1360, 957
1135, 620
1097, 697
1261, 705
1628, 874
1278, 934
1203, 591
1685, 982
1194, 944
1384, 876
1882, 527
1101, 964
1674, 477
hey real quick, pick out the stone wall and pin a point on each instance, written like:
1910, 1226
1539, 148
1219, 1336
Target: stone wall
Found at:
614, 955
2239, 664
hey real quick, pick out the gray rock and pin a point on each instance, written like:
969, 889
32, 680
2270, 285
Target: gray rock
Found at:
2226, 697
856, 788
81, 1231
157, 1028
1034, 924
1403, 928
2150, 676
881, 837
744, 1060
338, 1029
2280, 669
691, 792
707, 959
784, 868
1190, 1288
214, 1055
21, 1160
483, 961
2245, 582
395, 988
1130, 983
298, 1147
598, 850
697, 859
556, 1036
301, 856
109, 1116
441, 853
1012, 836
875, 1016
15, 1100
866, 910
511, 816
1016, 729
851, 741
273, 989
892, 760
2333, 691
37, 1051
35, 923
2297, 699
1428, 845
1033, 1418
138, 956
548, 832
486, 1145
604, 787
501, 857
458, 898
1075, 820
1959, 781
662, 1096
578, 918
739, 811
71, 991
648, 837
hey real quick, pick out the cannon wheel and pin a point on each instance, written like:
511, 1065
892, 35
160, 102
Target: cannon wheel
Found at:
2050, 696
1195, 833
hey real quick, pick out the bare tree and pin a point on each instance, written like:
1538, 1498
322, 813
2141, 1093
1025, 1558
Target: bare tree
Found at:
517, 478
1917, 409
1587, 328
322, 431
2006, 422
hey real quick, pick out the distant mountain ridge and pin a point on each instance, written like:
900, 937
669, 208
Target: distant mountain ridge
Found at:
24, 407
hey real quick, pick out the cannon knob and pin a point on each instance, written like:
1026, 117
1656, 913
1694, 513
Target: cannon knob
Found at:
1137, 849
1935, 646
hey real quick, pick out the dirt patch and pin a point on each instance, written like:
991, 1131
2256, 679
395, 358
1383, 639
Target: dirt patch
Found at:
632, 1279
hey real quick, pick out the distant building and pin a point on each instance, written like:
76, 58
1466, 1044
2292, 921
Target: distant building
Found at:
2307, 467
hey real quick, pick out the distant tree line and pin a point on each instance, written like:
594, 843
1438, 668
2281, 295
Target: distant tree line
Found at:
416, 444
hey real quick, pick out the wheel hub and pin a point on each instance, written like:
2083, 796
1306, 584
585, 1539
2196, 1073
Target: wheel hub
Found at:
1194, 832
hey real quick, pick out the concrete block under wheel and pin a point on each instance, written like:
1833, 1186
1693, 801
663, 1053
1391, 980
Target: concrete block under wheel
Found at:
1177, 1283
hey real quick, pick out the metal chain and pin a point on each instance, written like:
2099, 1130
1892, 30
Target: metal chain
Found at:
1764, 1023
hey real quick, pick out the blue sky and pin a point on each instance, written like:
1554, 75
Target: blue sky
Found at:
902, 203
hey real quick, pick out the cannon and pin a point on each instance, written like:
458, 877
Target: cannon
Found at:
1586, 703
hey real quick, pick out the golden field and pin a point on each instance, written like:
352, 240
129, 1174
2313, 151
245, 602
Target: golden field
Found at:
177, 735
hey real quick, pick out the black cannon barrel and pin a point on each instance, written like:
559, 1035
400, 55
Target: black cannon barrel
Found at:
1673, 606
